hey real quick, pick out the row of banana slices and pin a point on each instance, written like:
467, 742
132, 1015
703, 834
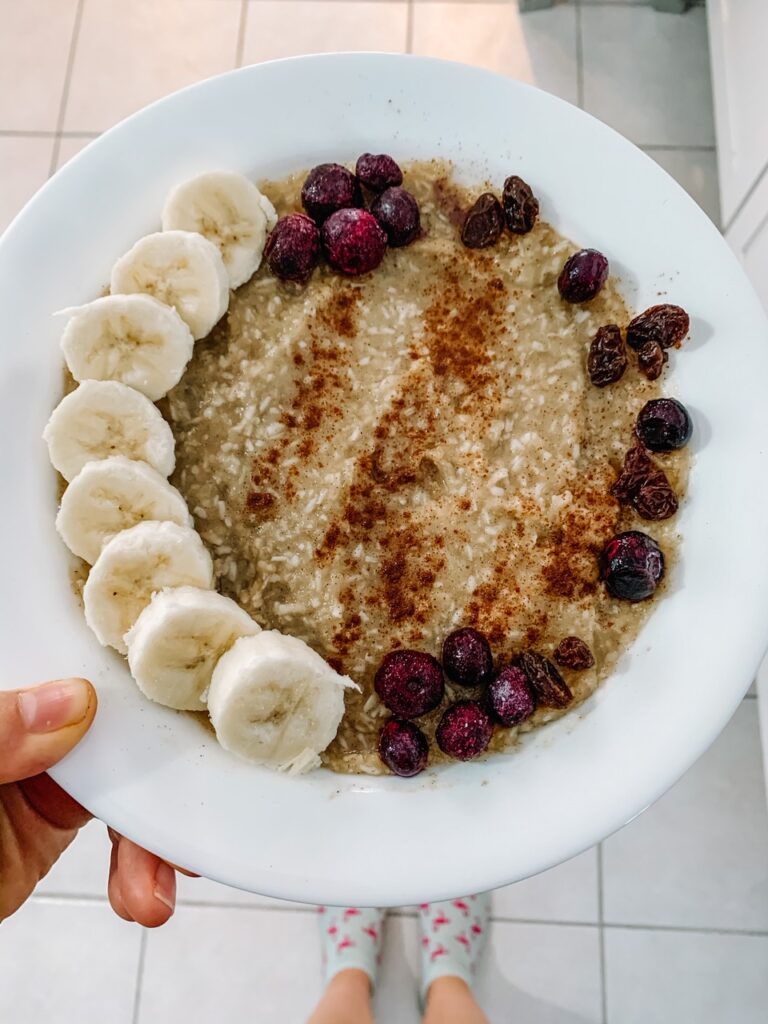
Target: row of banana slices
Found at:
149, 593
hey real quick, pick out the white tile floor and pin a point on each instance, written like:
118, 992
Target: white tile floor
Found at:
667, 922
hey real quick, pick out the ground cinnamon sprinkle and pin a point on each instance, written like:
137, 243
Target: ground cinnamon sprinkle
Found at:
374, 462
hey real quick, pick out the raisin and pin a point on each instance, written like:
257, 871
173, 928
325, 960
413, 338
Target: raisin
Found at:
573, 653
656, 499
651, 358
607, 358
483, 223
665, 324
645, 486
638, 467
521, 207
547, 683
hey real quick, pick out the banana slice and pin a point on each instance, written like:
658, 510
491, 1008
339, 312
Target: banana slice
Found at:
269, 211
132, 567
274, 701
102, 418
177, 640
227, 209
112, 495
181, 269
133, 339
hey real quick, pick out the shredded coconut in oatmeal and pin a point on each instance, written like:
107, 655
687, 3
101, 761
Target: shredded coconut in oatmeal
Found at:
374, 462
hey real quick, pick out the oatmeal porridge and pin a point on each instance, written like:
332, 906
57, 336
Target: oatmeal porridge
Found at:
375, 462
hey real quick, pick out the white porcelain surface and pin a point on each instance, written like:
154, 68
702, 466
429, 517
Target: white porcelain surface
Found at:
696, 170
158, 777
565, 893
62, 963
699, 857
538, 47
83, 867
210, 965
676, 977
26, 162
35, 41
647, 74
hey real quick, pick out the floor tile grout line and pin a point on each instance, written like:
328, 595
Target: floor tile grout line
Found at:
241, 27
397, 912
67, 82
6, 133
139, 977
601, 934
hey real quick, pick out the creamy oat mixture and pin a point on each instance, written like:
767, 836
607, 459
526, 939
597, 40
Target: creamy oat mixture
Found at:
374, 462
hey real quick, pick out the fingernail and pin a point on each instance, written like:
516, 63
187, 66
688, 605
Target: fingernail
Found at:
55, 705
165, 886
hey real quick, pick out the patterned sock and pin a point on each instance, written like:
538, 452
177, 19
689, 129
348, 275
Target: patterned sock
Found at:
350, 937
453, 934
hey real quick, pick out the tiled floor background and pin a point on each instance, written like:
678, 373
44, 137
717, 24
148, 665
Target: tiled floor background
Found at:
666, 922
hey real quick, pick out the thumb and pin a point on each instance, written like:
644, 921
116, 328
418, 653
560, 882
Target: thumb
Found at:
40, 725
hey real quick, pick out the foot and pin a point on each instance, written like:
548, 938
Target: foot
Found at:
453, 934
451, 1001
346, 1000
351, 938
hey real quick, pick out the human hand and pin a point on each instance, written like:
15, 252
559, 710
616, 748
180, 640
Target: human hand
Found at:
38, 820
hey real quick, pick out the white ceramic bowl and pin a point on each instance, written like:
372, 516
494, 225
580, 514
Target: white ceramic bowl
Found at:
154, 774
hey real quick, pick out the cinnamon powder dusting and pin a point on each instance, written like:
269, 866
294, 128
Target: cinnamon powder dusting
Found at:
373, 462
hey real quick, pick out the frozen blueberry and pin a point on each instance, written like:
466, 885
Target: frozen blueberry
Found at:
663, 425
510, 695
467, 657
409, 683
465, 730
403, 748
293, 248
632, 566
378, 171
329, 187
354, 241
398, 213
583, 275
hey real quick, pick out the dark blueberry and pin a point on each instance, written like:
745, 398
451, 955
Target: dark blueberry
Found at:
583, 275
573, 653
398, 213
378, 171
632, 566
293, 248
521, 207
465, 730
467, 657
354, 241
665, 324
510, 695
548, 685
403, 748
483, 223
409, 683
329, 187
664, 425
